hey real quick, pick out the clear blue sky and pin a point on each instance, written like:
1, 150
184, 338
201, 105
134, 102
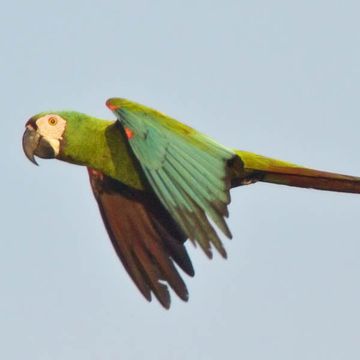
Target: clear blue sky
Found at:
281, 78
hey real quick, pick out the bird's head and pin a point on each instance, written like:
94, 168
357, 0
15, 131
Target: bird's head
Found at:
43, 136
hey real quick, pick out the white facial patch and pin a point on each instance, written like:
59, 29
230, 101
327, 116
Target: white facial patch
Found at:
51, 126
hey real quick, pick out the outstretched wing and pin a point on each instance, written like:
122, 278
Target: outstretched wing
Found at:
144, 236
187, 170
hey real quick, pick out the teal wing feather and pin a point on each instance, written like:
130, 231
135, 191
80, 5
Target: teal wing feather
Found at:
187, 170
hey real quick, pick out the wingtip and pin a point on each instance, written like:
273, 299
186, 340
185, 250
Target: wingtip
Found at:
165, 302
221, 250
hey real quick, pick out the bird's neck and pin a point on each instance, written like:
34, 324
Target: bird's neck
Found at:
101, 145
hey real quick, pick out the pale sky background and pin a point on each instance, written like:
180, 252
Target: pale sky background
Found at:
281, 78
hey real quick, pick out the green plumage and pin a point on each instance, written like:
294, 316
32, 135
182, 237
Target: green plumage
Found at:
187, 170
159, 182
101, 145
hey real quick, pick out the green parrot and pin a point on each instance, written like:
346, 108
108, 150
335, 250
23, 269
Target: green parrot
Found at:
159, 182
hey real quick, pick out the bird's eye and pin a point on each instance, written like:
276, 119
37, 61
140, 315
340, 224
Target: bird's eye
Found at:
52, 121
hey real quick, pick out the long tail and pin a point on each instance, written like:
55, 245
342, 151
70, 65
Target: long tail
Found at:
255, 167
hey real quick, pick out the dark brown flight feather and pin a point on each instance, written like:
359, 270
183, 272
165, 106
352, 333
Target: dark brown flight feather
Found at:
145, 237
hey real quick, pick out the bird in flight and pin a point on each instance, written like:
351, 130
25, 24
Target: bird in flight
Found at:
159, 182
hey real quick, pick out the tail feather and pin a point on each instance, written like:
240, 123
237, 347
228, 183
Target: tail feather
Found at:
259, 168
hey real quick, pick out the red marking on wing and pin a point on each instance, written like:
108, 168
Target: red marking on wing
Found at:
129, 133
95, 174
111, 106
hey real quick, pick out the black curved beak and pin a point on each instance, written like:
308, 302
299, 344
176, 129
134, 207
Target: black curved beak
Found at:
30, 143
35, 144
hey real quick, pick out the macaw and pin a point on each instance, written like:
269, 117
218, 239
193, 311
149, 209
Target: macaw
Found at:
159, 182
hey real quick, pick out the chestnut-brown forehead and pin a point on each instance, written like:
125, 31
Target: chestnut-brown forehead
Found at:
32, 122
